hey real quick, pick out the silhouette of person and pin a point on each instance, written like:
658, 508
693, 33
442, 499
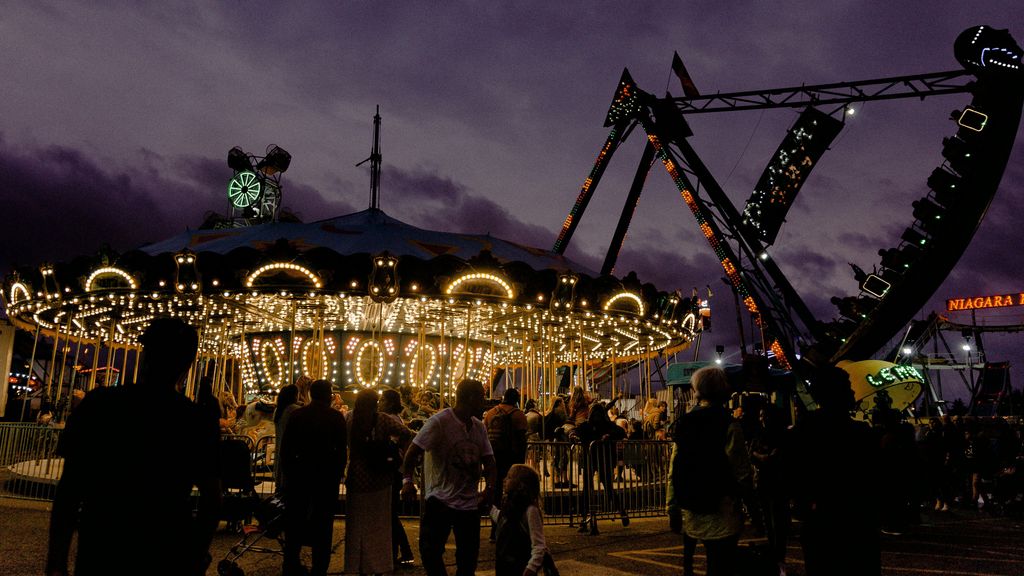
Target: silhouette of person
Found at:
598, 436
390, 406
368, 516
766, 449
456, 447
506, 430
287, 402
833, 460
128, 494
713, 472
313, 454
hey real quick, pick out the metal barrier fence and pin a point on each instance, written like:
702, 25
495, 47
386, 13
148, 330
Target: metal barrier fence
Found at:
29, 467
600, 480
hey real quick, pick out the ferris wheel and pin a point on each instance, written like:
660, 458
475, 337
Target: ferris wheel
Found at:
941, 224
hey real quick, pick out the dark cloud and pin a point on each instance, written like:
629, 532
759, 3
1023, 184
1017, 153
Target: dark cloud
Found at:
431, 201
65, 203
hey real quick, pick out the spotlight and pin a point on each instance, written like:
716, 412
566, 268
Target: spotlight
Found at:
238, 160
719, 351
907, 350
277, 160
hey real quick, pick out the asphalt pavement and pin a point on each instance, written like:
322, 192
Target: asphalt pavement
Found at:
958, 543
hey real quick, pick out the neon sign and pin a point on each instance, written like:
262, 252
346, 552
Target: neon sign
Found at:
893, 374
980, 302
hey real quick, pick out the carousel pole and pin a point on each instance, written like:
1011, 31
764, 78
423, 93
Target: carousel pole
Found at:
124, 364
135, 365
78, 352
31, 364
583, 353
613, 376
492, 363
442, 353
239, 392
53, 362
64, 358
543, 385
291, 351
110, 353
466, 351
95, 364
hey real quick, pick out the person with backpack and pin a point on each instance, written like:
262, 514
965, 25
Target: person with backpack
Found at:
506, 430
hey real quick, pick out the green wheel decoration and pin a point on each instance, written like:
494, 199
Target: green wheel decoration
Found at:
244, 189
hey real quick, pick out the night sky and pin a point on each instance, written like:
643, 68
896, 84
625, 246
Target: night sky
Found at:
115, 123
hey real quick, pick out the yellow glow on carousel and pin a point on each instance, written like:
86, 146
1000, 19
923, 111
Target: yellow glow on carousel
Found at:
364, 300
274, 310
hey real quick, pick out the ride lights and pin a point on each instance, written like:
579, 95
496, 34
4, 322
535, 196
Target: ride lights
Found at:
480, 277
629, 296
928, 212
186, 276
287, 267
944, 185
854, 307
958, 154
913, 236
899, 258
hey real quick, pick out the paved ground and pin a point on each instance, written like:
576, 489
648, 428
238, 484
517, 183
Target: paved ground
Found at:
961, 543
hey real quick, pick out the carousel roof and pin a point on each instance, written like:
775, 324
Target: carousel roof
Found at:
371, 294
368, 232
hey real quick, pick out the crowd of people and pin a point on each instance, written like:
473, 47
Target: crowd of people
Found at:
846, 481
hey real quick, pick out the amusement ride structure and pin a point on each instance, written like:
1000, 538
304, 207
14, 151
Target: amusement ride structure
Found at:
366, 300
944, 221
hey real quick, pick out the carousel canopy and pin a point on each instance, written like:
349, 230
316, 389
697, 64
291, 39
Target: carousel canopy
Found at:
362, 298
368, 232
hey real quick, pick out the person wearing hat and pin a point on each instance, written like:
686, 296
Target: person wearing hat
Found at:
129, 494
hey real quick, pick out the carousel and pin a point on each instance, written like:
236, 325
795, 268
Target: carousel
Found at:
363, 300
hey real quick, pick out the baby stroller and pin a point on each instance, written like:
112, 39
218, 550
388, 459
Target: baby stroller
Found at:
238, 489
270, 524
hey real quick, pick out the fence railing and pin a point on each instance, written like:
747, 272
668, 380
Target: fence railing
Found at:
601, 480
29, 467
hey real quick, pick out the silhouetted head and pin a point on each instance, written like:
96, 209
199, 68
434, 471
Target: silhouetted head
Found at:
469, 398
831, 389
390, 402
521, 489
286, 396
320, 391
511, 397
366, 402
711, 385
169, 348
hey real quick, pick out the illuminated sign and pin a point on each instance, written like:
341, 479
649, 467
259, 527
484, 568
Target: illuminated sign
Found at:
878, 384
893, 374
787, 171
979, 302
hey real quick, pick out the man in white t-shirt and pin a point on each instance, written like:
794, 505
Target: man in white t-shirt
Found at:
457, 455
